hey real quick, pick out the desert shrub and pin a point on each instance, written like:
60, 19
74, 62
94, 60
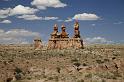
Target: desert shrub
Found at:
18, 76
113, 58
29, 78
81, 80
77, 64
18, 70
58, 69
18, 73
117, 74
84, 64
103, 80
61, 54
56, 78
10, 60
9, 79
50, 78
106, 60
74, 60
89, 75
5, 62
99, 61
107, 75
115, 54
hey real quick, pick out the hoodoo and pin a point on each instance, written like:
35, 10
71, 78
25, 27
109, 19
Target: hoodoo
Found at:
62, 40
37, 44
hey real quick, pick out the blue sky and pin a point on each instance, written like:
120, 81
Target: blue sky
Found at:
100, 20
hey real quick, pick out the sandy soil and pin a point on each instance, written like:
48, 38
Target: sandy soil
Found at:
95, 63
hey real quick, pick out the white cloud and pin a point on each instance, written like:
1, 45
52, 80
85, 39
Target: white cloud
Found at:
4, 13
16, 36
86, 16
20, 32
6, 0
60, 20
1, 30
34, 17
43, 4
50, 18
68, 20
30, 17
83, 16
18, 10
97, 40
23, 12
6, 21
12, 40
119, 22
93, 24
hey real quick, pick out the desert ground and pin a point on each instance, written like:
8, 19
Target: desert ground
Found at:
94, 63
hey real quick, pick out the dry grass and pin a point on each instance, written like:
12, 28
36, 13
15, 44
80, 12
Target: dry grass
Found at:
95, 63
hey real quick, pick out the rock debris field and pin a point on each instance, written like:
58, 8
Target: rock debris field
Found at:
94, 63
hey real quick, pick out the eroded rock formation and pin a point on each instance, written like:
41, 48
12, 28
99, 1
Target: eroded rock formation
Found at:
37, 44
62, 40
58, 40
76, 41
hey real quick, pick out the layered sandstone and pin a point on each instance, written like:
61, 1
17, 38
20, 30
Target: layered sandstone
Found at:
62, 40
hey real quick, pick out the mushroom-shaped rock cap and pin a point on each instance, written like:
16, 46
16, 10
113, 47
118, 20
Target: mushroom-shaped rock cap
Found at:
63, 25
37, 39
55, 25
76, 24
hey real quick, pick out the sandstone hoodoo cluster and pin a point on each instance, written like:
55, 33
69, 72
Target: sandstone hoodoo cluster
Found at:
62, 40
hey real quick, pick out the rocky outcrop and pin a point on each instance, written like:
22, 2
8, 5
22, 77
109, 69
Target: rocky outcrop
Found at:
62, 41
37, 44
